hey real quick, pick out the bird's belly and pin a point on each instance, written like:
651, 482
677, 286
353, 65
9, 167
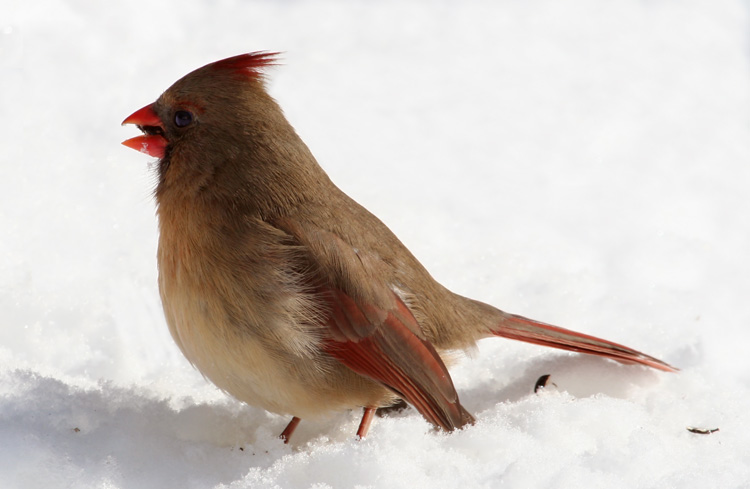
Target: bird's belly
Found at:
248, 367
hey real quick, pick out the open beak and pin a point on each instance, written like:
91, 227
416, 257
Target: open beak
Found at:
152, 142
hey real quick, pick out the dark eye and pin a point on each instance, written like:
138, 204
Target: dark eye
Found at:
182, 118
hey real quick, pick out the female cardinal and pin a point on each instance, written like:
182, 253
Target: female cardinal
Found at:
281, 289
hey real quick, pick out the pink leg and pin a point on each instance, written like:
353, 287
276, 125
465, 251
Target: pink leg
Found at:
289, 429
364, 425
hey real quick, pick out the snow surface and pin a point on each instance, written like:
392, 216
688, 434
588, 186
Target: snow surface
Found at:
584, 163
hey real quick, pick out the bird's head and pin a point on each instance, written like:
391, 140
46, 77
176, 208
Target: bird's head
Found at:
217, 129
211, 96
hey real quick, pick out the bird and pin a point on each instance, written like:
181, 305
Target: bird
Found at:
281, 289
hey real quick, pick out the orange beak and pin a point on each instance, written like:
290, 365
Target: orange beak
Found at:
153, 142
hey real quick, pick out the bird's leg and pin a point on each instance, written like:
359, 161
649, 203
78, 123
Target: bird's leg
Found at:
364, 425
290, 429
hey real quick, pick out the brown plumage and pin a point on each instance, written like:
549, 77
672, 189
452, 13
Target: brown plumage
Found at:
282, 290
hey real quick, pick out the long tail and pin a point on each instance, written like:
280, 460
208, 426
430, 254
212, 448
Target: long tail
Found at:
530, 331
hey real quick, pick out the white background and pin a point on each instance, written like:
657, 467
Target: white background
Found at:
584, 163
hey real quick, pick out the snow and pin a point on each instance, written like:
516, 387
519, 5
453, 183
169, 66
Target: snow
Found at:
584, 163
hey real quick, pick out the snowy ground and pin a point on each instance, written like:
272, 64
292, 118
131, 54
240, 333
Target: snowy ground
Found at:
584, 163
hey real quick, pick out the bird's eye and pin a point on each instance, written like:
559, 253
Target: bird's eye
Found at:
183, 118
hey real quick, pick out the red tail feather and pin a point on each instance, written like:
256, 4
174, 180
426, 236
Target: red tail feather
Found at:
530, 331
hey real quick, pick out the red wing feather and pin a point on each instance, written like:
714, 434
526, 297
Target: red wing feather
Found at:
378, 345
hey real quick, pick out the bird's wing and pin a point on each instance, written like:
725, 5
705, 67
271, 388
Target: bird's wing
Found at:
371, 330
